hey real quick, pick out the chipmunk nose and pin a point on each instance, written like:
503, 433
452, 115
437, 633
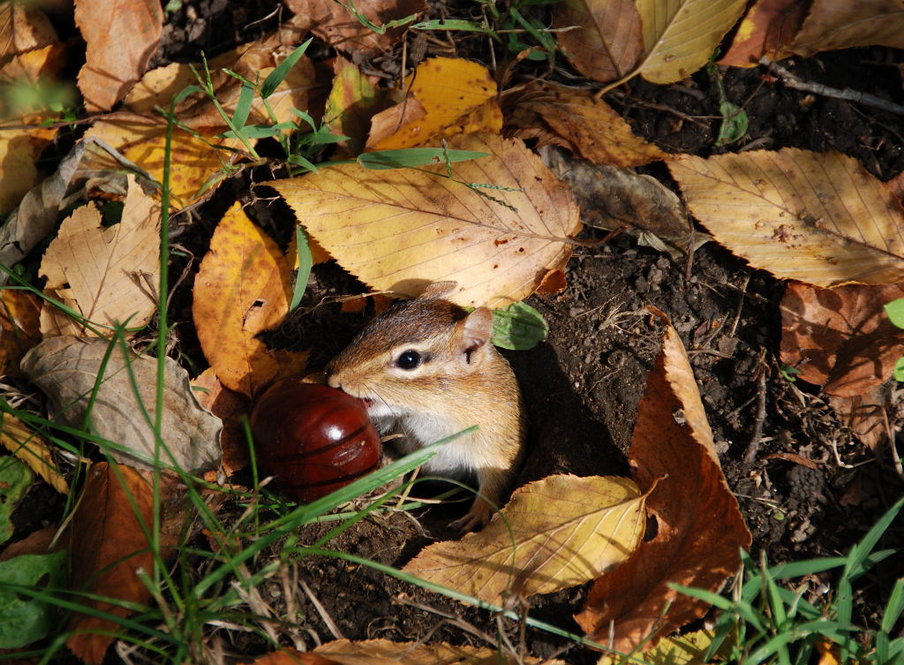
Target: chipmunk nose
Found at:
331, 379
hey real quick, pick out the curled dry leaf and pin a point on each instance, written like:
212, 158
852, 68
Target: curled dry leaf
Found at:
577, 121
353, 100
66, 369
399, 229
565, 530
842, 340
680, 36
19, 151
817, 218
113, 65
19, 328
832, 25
109, 274
228, 406
16, 437
243, 287
445, 97
700, 528
607, 43
386, 652
767, 30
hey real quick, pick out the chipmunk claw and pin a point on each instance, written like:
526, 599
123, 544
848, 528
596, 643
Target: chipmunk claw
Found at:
475, 519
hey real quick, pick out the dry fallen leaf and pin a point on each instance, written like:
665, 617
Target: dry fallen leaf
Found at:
107, 274
353, 100
229, 407
243, 287
818, 218
289, 656
608, 41
398, 229
23, 28
565, 531
445, 97
700, 529
19, 328
113, 65
386, 652
767, 30
107, 546
575, 120
680, 36
16, 437
66, 369
832, 25
842, 340
19, 151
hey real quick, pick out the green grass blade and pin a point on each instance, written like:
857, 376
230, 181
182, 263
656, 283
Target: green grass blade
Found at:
305, 263
414, 157
278, 75
894, 607
243, 106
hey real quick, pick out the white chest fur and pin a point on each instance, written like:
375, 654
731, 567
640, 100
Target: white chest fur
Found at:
454, 458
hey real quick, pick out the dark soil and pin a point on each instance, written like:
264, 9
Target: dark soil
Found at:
583, 385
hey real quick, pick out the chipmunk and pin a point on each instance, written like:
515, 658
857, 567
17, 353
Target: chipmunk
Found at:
426, 368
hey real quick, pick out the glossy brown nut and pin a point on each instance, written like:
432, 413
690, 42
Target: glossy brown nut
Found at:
314, 439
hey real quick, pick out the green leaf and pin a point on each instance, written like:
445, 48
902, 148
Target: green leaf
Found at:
15, 479
518, 327
899, 369
895, 311
23, 619
243, 106
305, 261
259, 131
414, 157
461, 25
734, 123
278, 75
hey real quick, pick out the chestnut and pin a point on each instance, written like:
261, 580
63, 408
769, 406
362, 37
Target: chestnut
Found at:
314, 439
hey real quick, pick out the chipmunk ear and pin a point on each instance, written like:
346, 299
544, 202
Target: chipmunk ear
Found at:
474, 331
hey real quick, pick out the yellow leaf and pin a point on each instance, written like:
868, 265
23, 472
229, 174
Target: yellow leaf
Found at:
243, 287
19, 328
387, 652
818, 218
680, 35
108, 275
399, 229
456, 97
565, 531
19, 150
353, 100
31, 449
687, 649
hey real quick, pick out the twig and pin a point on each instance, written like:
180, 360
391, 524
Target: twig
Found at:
754, 445
864, 98
321, 610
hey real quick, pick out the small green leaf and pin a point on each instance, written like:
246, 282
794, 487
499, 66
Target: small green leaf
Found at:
899, 370
305, 261
23, 619
734, 123
414, 157
260, 131
518, 327
15, 479
278, 75
461, 25
895, 311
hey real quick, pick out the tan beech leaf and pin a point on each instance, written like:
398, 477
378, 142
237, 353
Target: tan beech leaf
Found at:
700, 528
23, 28
19, 328
335, 25
106, 547
565, 531
243, 287
767, 30
608, 41
398, 229
842, 340
814, 217
680, 35
109, 275
31, 449
386, 652
113, 64
589, 128
66, 369
833, 25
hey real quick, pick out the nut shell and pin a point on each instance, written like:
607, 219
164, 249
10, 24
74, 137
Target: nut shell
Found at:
314, 439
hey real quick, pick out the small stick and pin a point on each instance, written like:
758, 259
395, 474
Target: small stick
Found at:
757, 435
864, 98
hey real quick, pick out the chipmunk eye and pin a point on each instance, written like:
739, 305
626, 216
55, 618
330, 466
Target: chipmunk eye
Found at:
408, 359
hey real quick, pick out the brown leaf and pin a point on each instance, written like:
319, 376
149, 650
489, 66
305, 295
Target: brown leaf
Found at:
228, 406
23, 28
819, 218
37, 542
121, 35
700, 528
832, 25
106, 548
243, 287
335, 25
767, 30
554, 534
587, 127
66, 369
608, 41
399, 229
108, 274
386, 652
19, 150
19, 321
288, 656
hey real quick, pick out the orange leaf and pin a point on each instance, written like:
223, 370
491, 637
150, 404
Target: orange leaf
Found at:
242, 288
700, 528
229, 407
19, 311
107, 546
768, 28
112, 64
